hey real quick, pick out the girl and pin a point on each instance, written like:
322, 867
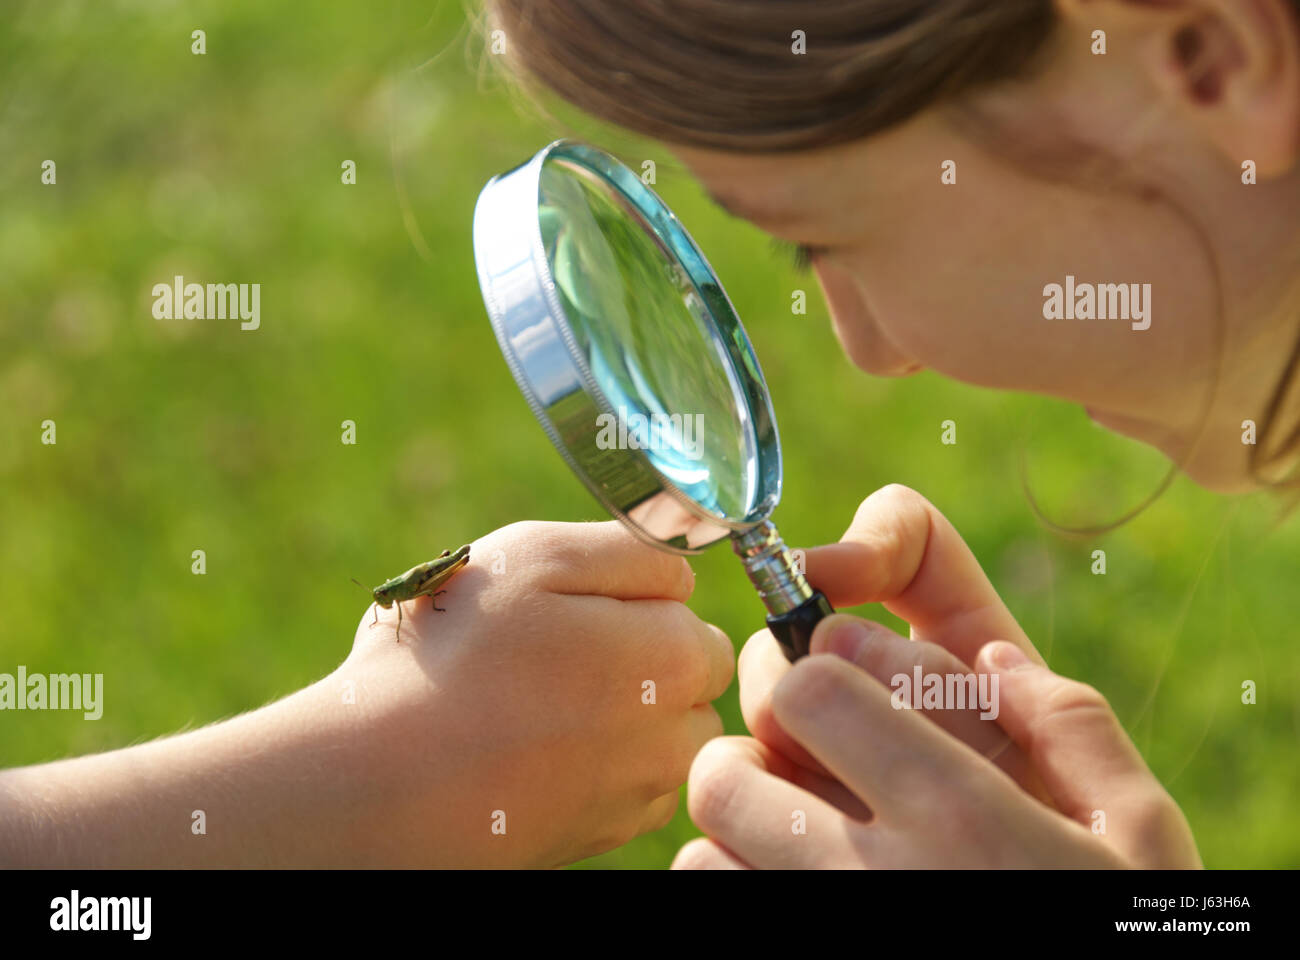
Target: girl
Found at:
1088, 143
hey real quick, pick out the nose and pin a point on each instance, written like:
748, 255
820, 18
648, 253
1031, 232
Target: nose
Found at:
859, 335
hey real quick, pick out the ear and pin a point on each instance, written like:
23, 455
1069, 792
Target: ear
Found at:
1232, 67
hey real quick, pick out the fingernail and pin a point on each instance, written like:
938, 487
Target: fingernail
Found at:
847, 639
1007, 656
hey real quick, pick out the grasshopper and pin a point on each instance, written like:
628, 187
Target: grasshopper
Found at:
421, 580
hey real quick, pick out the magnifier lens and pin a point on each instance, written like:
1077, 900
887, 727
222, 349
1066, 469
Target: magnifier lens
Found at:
648, 339
634, 361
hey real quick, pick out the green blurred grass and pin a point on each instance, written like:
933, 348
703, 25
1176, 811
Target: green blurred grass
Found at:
177, 435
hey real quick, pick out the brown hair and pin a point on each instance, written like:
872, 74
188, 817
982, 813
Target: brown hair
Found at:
722, 74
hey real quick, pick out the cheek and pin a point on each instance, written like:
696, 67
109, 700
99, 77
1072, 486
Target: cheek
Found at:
954, 280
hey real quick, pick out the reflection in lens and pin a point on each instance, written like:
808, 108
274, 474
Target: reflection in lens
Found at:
649, 340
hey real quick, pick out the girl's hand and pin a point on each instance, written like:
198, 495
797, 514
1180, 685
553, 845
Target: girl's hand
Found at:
551, 713
883, 787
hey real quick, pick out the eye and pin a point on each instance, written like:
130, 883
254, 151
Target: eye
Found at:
801, 256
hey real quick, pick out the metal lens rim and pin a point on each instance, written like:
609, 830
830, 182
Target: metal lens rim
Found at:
670, 234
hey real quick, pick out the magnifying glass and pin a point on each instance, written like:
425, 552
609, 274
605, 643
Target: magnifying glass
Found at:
633, 360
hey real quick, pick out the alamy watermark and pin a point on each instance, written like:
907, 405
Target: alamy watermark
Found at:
55, 691
1098, 301
946, 691
75, 913
670, 432
213, 301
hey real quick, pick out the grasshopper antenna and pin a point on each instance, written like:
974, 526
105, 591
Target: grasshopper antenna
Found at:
363, 587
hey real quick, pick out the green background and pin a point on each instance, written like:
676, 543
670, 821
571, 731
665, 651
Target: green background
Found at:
179, 435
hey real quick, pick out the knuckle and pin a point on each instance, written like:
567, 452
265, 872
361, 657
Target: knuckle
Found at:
681, 576
525, 544
717, 662
617, 837
567, 555
727, 660
545, 536
698, 854
1076, 700
1067, 710
679, 648
895, 521
676, 768
667, 810
679, 751
665, 572
524, 531
714, 784
812, 685
694, 668
1159, 820
709, 730
716, 727
887, 654
1153, 813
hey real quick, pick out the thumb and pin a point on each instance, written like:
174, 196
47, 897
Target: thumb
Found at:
1089, 766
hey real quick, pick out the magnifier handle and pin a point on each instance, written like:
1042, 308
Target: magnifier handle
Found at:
794, 629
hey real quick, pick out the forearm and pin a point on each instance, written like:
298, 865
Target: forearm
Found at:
285, 785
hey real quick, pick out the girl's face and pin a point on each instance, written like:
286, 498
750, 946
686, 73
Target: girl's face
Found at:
1092, 172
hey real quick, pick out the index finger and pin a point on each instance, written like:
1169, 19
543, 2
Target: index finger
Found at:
902, 552
902, 769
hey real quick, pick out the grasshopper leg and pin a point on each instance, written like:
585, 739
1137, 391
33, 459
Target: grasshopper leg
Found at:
376, 609
433, 599
399, 621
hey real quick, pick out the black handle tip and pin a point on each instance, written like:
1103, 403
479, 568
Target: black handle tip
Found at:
794, 629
